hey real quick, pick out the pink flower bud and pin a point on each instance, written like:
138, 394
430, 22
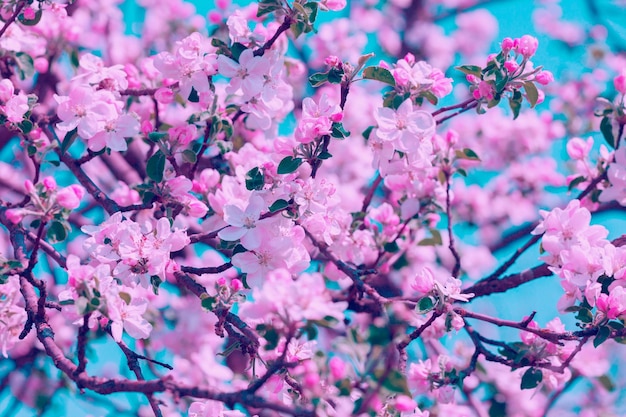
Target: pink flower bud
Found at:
511, 66
620, 82
6, 90
49, 183
146, 127
14, 215
214, 17
410, 59
337, 117
222, 4
332, 61
236, 284
544, 77
221, 281
578, 149
527, 46
471, 78
28, 185
29, 13
337, 368
405, 403
196, 208
41, 64
507, 45
69, 197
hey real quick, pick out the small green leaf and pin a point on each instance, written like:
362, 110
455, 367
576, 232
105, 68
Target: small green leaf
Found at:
516, 106
69, 138
267, 6
531, 93
435, 240
239, 249
467, 153
335, 75
319, 78
156, 166
25, 65
396, 382
338, 131
367, 132
470, 69
156, 136
606, 128
311, 10
379, 74
531, 378
236, 49
584, 315
607, 383
278, 205
288, 165
25, 126
155, 281
575, 182
391, 247
603, 333
56, 232
324, 155
125, 296
208, 302
425, 305
255, 180
190, 156
193, 96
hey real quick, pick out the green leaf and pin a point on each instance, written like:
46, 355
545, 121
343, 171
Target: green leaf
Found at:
25, 126
278, 205
25, 65
379, 74
69, 138
531, 93
272, 337
466, 153
267, 6
367, 132
255, 180
239, 249
324, 155
607, 383
311, 9
288, 165
516, 106
56, 232
603, 333
435, 240
237, 48
584, 315
606, 128
190, 156
396, 382
319, 78
30, 22
470, 69
531, 378
125, 296
193, 96
425, 305
335, 75
208, 302
338, 131
391, 247
156, 136
156, 166
155, 281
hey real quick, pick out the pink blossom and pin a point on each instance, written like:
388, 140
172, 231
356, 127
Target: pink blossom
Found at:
620, 82
245, 225
69, 197
406, 128
247, 75
128, 317
16, 108
526, 46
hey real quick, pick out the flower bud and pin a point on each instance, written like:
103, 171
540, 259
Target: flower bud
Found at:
620, 82
544, 77
527, 46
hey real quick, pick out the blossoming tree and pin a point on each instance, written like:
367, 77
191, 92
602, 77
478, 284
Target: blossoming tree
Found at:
250, 214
